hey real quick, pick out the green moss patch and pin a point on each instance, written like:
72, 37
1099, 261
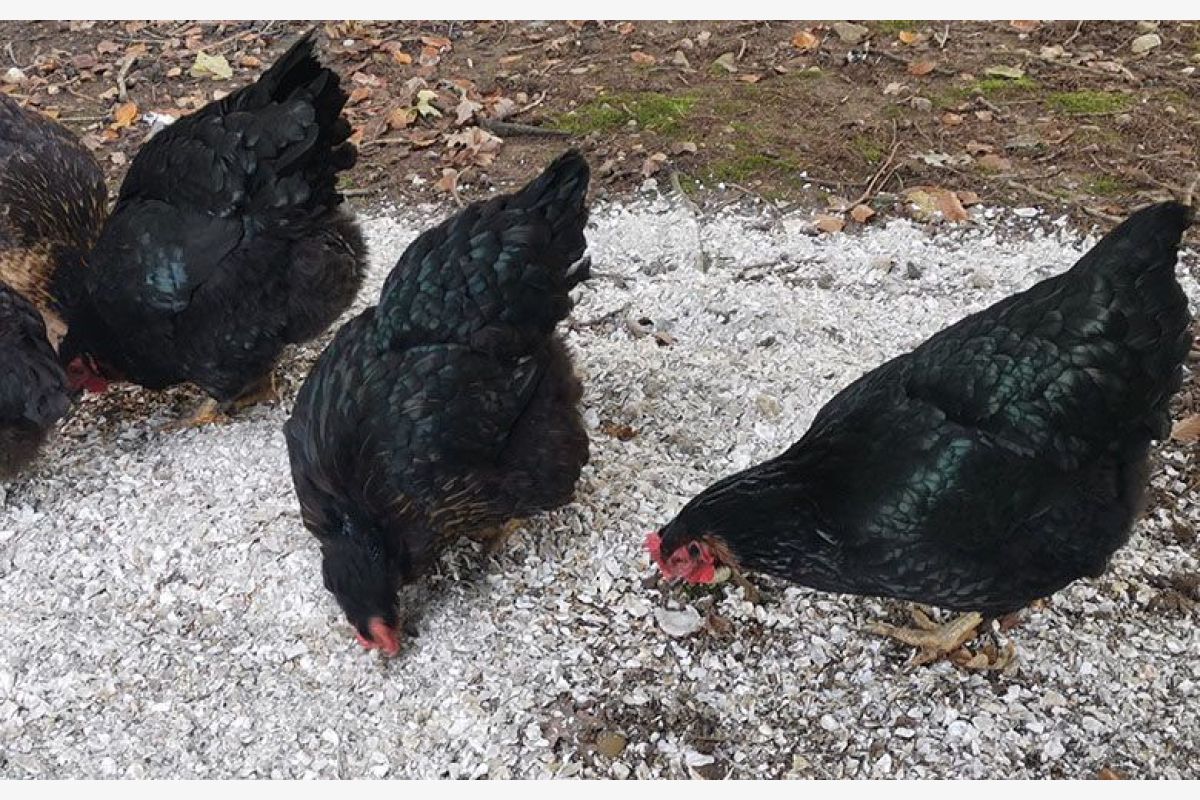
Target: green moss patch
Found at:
655, 112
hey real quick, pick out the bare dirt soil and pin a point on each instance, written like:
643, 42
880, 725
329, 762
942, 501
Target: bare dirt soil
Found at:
895, 116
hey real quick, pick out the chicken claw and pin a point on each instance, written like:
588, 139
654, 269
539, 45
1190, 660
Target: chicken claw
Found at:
264, 391
495, 537
209, 413
934, 641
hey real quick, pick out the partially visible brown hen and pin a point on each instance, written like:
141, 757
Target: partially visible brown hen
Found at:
52, 204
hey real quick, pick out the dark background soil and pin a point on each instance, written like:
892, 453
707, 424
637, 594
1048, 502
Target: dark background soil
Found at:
1063, 115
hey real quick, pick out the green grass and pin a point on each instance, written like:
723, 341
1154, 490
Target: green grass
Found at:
1106, 185
1089, 102
1003, 86
742, 167
868, 148
897, 25
655, 112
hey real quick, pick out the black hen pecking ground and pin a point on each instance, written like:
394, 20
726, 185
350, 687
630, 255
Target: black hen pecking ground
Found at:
451, 407
996, 463
228, 241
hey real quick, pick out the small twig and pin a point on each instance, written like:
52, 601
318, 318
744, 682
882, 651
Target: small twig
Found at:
84, 118
358, 192
502, 128
540, 99
938, 70
388, 140
1095, 212
881, 175
126, 63
1075, 35
681, 194
942, 38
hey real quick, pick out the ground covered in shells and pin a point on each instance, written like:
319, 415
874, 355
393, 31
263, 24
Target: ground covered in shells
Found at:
164, 614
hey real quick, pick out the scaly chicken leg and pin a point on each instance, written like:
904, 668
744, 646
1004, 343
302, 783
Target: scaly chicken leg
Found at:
947, 640
212, 412
495, 537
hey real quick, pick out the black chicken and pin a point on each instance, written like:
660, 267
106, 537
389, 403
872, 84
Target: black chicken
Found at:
451, 407
52, 201
996, 463
227, 242
33, 388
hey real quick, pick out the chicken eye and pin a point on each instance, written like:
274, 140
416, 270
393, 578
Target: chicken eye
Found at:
694, 550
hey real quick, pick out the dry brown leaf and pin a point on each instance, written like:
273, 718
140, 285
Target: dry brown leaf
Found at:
993, 162
448, 183
919, 68
429, 57
358, 95
827, 223
805, 40
984, 116
473, 147
401, 57
618, 430
124, 115
1109, 774
749, 78
439, 42
642, 58
968, 198
250, 62
653, 164
909, 37
950, 118
1187, 429
626, 28
861, 213
464, 112
1025, 25
950, 206
401, 118
356, 136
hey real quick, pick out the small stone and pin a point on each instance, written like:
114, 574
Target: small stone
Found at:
850, 33
14, 76
829, 723
921, 103
1145, 43
982, 279
611, 744
680, 623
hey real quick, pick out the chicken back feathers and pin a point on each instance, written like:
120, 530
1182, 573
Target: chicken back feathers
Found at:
33, 388
452, 406
994, 464
227, 240
52, 204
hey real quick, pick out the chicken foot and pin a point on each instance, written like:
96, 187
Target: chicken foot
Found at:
936, 641
495, 536
214, 412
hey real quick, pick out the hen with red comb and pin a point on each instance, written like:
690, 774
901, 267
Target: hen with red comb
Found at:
993, 465
450, 408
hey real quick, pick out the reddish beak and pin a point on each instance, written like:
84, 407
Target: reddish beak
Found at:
654, 546
382, 637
